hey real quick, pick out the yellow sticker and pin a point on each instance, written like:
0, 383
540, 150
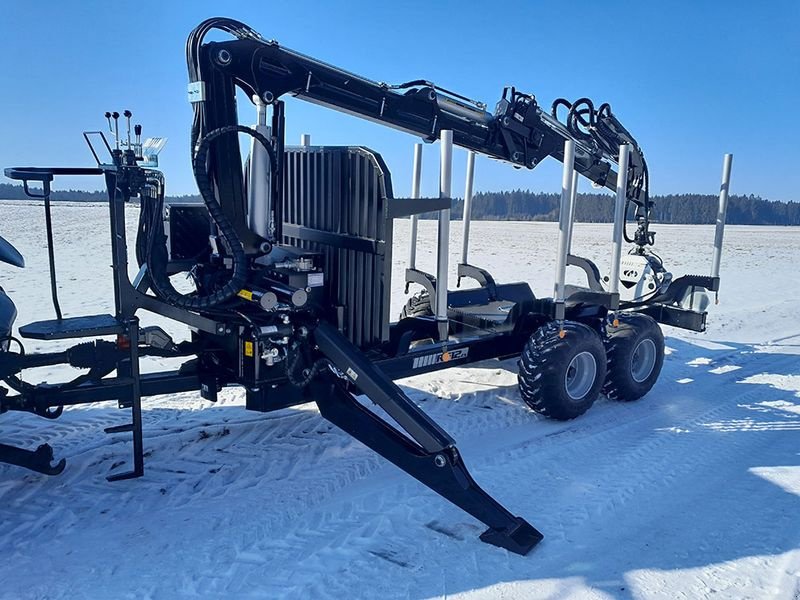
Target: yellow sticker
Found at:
248, 348
246, 294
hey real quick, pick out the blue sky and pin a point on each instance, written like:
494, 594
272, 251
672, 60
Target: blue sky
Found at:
690, 79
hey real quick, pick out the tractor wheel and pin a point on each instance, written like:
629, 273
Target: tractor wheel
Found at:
418, 305
635, 352
562, 369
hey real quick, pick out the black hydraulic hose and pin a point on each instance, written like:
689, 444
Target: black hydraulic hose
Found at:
625, 235
235, 28
559, 102
161, 284
51, 253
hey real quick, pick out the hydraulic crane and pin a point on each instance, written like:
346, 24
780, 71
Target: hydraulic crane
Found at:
290, 256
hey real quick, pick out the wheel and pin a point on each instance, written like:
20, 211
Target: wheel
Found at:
418, 305
560, 375
635, 353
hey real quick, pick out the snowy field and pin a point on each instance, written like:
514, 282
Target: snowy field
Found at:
692, 492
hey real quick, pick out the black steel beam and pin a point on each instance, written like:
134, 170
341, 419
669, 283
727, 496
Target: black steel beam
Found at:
442, 471
373, 382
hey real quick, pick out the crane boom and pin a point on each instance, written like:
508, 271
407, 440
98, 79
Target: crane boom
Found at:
518, 131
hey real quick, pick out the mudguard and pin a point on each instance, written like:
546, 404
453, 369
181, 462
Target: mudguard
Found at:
10, 255
8, 312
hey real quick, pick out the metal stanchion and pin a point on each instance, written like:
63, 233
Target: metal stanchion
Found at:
442, 258
564, 228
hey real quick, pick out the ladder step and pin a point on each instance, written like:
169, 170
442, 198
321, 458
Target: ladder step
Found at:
73, 327
126, 475
119, 428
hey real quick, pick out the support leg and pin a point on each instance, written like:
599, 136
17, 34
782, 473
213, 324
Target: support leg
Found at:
135, 426
427, 453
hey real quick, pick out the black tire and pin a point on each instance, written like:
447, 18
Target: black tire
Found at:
418, 305
546, 363
635, 353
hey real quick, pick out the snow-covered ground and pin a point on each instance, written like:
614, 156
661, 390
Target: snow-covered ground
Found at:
692, 492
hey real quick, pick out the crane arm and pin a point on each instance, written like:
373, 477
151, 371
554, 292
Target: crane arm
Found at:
519, 131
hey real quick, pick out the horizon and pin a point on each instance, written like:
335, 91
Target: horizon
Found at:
456, 197
682, 92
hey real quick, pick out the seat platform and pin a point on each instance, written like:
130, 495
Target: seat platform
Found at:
476, 309
577, 295
73, 327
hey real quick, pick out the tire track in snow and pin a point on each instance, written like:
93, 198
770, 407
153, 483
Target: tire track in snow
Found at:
351, 527
608, 499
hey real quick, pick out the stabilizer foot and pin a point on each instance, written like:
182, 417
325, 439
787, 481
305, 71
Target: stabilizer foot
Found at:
519, 539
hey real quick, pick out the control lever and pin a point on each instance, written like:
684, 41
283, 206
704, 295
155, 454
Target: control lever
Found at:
128, 114
115, 116
137, 130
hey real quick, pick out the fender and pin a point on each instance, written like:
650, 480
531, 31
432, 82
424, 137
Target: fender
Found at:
10, 255
8, 313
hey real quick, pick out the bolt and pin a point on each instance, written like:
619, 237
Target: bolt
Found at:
268, 97
439, 460
224, 57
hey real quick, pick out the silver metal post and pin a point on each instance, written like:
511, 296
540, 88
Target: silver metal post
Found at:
305, 139
416, 176
572, 210
259, 190
563, 220
445, 187
619, 216
722, 212
467, 205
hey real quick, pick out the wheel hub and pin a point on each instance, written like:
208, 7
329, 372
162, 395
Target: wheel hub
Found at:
643, 360
580, 375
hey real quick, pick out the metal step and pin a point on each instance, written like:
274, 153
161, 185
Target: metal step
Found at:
74, 327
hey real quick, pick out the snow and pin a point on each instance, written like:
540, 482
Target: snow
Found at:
692, 492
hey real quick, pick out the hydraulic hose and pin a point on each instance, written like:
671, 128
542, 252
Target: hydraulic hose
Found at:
161, 283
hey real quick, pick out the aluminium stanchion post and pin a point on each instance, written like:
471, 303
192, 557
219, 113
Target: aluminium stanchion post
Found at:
416, 176
572, 204
443, 250
619, 216
259, 188
563, 227
722, 212
467, 216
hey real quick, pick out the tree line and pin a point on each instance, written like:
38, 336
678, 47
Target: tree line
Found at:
525, 205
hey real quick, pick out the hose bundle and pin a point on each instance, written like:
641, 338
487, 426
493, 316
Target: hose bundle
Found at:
602, 130
156, 256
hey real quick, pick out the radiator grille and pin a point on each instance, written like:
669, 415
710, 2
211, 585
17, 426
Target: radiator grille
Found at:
335, 202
